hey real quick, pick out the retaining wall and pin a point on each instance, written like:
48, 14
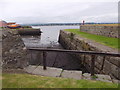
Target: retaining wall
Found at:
109, 31
75, 42
14, 52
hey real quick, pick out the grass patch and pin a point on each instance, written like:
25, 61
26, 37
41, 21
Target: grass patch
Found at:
108, 41
34, 81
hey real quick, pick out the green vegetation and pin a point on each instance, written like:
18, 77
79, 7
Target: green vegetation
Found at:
2, 27
94, 77
34, 81
108, 41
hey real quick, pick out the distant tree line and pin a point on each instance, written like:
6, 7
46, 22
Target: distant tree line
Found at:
57, 24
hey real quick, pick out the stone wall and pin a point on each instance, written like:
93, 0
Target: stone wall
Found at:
14, 53
75, 42
109, 31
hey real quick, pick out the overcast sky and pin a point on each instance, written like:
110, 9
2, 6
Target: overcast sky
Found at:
61, 11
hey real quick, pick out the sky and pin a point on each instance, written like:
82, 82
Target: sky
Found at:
59, 11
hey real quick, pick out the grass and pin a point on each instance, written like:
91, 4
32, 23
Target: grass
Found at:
108, 41
34, 81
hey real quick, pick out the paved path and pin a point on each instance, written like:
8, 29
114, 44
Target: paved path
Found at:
58, 72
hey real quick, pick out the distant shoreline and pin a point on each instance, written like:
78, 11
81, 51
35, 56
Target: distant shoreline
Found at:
64, 24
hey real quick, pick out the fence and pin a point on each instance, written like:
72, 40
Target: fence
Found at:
93, 55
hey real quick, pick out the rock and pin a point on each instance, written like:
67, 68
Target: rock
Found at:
11, 51
86, 76
6, 53
24, 48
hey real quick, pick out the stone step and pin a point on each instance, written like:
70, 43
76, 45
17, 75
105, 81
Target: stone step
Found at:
57, 72
72, 74
38, 70
99, 77
53, 72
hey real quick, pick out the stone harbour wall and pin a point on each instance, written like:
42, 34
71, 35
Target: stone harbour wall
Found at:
109, 31
14, 52
74, 42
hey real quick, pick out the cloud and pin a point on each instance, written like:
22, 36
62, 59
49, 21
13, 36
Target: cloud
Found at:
23, 11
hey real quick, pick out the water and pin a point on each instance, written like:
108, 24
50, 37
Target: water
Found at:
49, 37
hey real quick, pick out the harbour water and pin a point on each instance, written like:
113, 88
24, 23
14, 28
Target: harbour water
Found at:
49, 39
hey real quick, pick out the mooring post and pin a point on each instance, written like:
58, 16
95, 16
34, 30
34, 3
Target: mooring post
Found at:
44, 60
92, 65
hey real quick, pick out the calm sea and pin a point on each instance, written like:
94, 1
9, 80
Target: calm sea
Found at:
49, 37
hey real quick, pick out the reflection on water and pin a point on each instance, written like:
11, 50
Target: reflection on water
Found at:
49, 37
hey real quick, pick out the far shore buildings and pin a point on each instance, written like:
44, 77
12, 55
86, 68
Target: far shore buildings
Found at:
9, 24
5, 24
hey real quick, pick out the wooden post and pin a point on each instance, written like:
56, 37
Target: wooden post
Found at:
84, 60
44, 60
92, 65
30, 57
102, 63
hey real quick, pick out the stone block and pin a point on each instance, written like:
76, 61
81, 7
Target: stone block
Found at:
99, 60
115, 81
98, 65
97, 70
107, 67
101, 76
72, 74
105, 78
115, 71
53, 72
115, 61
